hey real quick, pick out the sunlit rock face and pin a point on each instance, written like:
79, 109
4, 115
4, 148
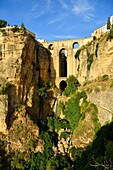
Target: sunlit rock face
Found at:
24, 64
95, 59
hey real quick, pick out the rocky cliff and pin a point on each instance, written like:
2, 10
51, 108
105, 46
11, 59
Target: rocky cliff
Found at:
25, 100
95, 59
95, 72
24, 67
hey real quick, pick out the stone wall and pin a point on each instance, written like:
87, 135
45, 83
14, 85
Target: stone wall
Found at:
56, 47
100, 49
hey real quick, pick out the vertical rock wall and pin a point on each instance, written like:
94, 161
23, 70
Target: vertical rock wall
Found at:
24, 64
95, 59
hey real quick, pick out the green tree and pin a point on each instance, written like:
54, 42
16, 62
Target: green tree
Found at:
110, 35
108, 24
3, 23
22, 26
72, 85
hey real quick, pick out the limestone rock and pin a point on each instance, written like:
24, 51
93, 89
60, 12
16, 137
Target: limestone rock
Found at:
103, 100
23, 134
24, 65
102, 63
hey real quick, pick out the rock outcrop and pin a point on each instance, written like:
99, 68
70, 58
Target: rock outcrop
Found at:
95, 59
25, 64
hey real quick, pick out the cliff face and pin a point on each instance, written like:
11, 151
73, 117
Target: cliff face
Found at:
24, 66
95, 72
95, 59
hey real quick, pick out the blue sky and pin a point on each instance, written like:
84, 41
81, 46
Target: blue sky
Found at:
57, 19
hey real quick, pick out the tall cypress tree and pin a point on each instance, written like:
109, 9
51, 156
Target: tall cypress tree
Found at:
108, 24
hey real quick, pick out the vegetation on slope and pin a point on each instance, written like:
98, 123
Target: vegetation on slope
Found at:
72, 85
110, 35
80, 117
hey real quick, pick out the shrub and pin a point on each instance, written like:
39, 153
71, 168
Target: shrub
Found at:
84, 108
110, 35
103, 78
89, 60
72, 112
109, 150
72, 85
15, 29
77, 54
4, 33
5, 89
61, 123
64, 135
73, 109
97, 89
3, 23
43, 91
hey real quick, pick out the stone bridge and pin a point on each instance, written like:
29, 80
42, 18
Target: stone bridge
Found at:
63, 61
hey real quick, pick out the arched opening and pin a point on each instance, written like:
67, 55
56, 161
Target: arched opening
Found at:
75, 45
63, 63
62, 85
51, 47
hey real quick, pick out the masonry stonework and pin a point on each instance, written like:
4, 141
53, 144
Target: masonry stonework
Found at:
55, 48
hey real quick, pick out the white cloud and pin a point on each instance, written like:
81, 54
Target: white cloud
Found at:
34, 7
48, 4
83, 8
64, 36
64, 4
40, 9
58, 18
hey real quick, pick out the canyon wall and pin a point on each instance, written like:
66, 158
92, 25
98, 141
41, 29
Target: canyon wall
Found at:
95, 59
24, 66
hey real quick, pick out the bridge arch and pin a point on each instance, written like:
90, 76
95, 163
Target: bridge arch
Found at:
63, 63
62, 85
51, 46
75, 45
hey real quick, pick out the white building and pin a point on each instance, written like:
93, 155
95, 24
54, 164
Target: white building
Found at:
102, 29
111, 20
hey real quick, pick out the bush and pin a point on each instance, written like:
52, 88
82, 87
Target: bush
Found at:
15, 29
110, 35
3, 23
64, 135
5, 89
77, 54
89, 60
43, 91
73, 110
105, 77
72, 85
61, 123
4, 33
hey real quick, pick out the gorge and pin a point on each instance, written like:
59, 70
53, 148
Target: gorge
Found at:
32, 92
